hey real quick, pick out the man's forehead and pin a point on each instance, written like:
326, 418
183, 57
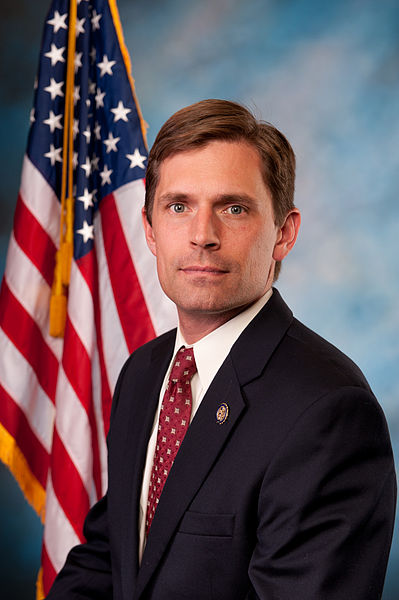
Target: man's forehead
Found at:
233, 166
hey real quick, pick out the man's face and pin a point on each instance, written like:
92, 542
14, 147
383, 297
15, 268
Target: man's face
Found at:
213, 231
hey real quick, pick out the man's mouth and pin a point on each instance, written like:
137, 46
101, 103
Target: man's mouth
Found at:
203, 270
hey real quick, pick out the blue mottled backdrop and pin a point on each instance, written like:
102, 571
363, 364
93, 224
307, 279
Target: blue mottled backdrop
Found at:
327, 74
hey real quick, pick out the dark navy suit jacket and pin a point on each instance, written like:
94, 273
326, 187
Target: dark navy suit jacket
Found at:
292, 497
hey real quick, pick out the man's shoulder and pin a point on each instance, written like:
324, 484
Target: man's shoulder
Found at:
313, 353
300, 353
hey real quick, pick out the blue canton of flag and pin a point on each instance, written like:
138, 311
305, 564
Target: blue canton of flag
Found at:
109, 149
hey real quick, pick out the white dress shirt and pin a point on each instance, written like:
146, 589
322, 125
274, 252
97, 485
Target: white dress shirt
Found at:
209, 353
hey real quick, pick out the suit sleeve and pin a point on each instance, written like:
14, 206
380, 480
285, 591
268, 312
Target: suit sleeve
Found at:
87, 572
326, 507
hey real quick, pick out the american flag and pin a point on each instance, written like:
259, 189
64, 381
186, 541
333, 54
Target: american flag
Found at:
55, 393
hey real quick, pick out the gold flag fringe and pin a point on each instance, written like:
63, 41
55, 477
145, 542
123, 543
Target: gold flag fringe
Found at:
12, 456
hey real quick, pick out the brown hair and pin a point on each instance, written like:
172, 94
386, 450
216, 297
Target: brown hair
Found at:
200, 123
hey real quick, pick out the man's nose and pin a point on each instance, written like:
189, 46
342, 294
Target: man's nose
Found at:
205, 230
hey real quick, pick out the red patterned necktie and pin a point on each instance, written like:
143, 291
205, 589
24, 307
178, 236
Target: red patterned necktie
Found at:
174, 420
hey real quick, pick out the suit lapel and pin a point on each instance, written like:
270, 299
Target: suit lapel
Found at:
246, 361
140, 421
255, 346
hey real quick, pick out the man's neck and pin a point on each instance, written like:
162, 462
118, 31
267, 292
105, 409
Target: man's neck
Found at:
195, 326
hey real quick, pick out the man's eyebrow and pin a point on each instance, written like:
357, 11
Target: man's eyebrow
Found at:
173, 197
220, 199
236, 198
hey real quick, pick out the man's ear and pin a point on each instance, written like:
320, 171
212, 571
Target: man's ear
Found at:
287, 234
149, 232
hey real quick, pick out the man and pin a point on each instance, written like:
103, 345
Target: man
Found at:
248, 458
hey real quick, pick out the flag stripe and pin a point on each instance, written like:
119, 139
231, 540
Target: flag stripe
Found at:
34, 241
73, 427
48, 571
126, 288
83, 321
39, 197
57, 545
17, 424
102, 399
89, 269
25, 334
68, 486
30, 289
114, 343
77, 368
20, 382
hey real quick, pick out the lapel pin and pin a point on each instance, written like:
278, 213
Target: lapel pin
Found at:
222, 413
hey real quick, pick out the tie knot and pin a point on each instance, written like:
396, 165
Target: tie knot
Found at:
184, 366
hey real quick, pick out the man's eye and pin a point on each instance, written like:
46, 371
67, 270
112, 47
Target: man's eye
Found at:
236, 209
177, 207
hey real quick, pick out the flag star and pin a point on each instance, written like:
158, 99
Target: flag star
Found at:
88, 103
35, 83
136, 159
94, 162
97, 131
75, 128
87, 199
87, 134
93, 54
80, 26
76, 94
54, 154
111, 143
75, 160
106, 175
54, 89
32, 115
99, 98
86, 232
53, 121
58, 21
120, 112
95, 20
55, 54
106, 66
78, 61
87, 166
92, 86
